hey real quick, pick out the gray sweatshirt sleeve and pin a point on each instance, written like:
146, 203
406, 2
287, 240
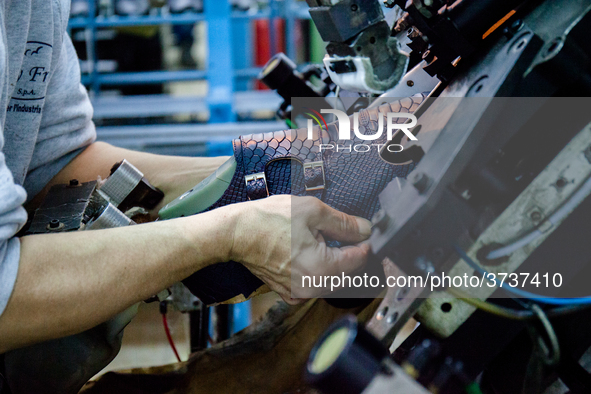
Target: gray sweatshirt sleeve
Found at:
12, 217
66, 125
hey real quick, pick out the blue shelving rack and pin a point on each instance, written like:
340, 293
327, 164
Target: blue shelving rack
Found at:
224, 71
227, 67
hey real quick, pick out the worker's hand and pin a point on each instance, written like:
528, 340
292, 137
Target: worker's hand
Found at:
281, 238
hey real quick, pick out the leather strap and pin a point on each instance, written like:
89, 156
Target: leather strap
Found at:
256, 186
314, 174
314, 178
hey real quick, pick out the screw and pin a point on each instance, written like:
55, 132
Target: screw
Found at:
74, 182
54, 223
354, 7
535, 216
410, 83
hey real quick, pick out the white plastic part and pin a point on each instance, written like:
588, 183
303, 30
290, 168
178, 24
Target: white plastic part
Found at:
355, 81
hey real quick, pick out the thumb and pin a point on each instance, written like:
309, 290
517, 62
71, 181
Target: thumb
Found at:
342, 227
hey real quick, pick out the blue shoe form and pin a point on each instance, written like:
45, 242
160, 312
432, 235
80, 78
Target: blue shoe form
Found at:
288, 162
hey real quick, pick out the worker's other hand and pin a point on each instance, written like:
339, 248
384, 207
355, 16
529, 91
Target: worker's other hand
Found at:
281, 238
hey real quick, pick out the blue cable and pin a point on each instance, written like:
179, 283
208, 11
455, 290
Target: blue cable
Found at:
523, 293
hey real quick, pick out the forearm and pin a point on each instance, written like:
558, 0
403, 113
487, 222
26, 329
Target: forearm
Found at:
172, 174
73, 281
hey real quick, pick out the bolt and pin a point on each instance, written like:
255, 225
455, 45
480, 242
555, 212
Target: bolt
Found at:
535, 216
54, 223
354, 7
74, 182
410, 83
421, 182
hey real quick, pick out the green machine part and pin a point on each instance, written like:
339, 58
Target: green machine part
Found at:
213, 187
202, 196
317, 46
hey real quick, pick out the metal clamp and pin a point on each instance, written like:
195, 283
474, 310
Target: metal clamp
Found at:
110, 217
312, 167
121, 182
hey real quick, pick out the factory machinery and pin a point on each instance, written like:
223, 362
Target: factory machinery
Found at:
497, 197
502, 165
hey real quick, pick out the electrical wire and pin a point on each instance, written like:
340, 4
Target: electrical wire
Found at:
169, 337
489, 307
523, 293
289, 123
553, 357
505, 312
163, 311
556, 217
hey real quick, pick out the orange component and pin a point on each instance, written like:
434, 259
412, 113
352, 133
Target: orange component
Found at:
497, 24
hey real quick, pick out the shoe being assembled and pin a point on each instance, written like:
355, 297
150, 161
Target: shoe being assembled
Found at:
288, 162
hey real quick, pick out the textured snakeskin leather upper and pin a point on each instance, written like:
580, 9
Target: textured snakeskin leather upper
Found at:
352, 182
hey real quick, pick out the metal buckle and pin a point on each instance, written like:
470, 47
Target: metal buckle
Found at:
254, 177
313, 165
257, 176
